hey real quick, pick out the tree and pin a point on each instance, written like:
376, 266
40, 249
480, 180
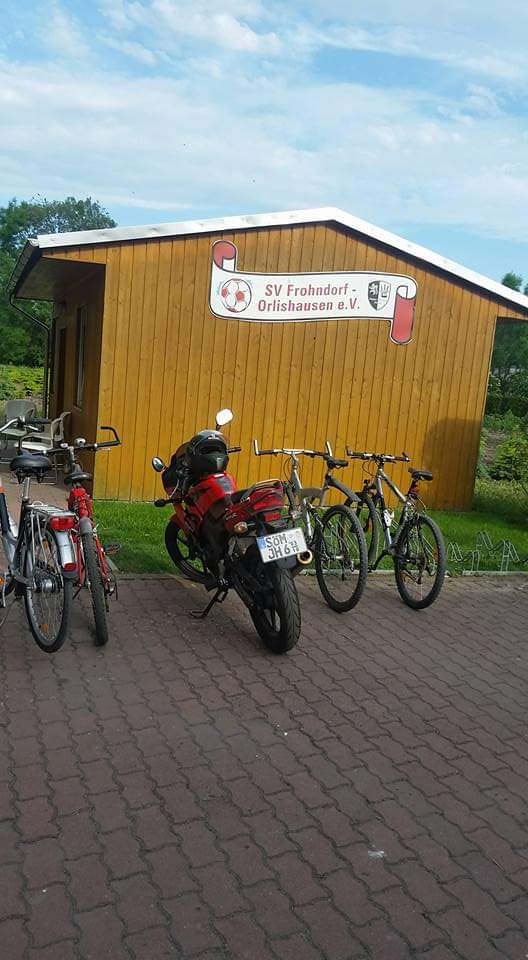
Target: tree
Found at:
20, 342
509, 363
512, 280
511, 459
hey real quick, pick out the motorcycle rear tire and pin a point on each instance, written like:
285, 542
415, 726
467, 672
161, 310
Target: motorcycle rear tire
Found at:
174, 540
284, 635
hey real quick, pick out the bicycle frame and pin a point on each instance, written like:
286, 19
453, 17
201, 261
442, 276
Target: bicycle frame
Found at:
380, 478
13, 535
80, 503
14, 539
384, 515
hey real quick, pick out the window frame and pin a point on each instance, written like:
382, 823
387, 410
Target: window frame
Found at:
81, 317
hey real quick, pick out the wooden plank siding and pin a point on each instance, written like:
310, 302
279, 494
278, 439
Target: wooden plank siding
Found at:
167, 364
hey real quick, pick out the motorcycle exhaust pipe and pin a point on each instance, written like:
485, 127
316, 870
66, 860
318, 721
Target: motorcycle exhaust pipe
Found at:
303, 559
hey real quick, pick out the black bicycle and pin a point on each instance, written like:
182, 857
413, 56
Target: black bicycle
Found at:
416, 545
333, 534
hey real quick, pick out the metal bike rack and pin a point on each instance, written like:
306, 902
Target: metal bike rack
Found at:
456, 557
504, 551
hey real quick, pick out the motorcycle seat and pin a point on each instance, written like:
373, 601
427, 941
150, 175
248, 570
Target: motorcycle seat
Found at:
238, 494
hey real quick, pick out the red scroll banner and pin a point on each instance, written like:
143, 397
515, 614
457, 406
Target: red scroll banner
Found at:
297, 297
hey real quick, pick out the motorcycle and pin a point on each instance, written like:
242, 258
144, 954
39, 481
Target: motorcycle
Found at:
226, 538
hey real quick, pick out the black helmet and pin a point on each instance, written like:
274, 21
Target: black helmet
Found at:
207, 453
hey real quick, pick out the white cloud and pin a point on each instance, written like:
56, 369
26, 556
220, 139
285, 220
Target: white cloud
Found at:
131, 49
164, 143
228, 118
62, 35
202, 21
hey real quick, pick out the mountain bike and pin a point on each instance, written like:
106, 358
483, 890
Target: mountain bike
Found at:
333, 534
93, 570
416, 545
40, 553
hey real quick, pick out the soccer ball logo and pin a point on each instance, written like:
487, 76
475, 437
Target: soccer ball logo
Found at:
236, 295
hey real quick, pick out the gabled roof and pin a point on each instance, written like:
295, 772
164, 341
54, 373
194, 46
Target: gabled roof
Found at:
259, 220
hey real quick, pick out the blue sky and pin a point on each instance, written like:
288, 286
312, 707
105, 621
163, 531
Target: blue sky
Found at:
412, 115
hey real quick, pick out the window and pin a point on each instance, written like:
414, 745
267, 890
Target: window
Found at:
81, 338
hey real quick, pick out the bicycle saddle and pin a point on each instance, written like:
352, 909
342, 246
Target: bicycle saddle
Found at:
30, 463
333, 463
420, 474
77, 476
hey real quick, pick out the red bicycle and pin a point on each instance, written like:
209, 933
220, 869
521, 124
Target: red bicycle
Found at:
93, 570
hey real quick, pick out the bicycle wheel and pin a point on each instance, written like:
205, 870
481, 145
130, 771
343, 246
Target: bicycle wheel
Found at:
341, 558
183, 553
367, 515
420, 563
94, 581
48, 600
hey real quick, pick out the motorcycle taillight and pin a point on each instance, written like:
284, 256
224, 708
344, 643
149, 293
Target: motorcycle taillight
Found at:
268, 499
272, 515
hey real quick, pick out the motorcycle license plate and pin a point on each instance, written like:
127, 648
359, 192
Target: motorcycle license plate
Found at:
278, 546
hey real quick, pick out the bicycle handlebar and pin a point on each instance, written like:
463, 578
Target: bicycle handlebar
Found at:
20, 424
87, 446
293, 452
381, 457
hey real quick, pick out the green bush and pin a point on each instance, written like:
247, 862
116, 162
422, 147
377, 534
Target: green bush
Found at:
511, 459
16, 383
494, 397
19, 382
482, 470
518, 393
502, 422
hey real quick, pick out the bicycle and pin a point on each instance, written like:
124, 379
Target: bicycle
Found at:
93, 570
40, 553
333, 534
417, 546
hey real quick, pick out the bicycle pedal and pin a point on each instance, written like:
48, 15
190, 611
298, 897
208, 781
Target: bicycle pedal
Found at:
111, 549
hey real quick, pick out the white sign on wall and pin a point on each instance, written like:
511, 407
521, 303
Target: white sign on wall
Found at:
286, 297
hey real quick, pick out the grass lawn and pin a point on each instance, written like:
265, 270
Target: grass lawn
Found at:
499, 508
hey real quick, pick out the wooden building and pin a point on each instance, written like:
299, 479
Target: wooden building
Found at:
135, 343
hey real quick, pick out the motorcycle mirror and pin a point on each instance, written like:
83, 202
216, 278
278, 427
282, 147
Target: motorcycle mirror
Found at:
158, 464
223, 417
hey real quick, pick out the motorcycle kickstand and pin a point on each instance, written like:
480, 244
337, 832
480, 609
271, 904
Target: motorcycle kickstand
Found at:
219, 597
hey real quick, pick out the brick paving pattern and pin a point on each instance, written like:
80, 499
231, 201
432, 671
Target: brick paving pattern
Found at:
183, 793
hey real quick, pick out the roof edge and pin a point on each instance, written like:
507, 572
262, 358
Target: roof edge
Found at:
284, 218
29, 251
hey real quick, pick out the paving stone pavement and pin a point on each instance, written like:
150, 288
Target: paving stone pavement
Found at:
183, 793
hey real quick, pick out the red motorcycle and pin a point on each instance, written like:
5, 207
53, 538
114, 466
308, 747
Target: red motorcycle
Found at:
226, 538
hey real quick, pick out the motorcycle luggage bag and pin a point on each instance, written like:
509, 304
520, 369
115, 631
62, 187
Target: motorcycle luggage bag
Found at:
265, 498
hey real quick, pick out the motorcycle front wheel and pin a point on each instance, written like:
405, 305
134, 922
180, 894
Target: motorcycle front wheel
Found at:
184, 554
277, 613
